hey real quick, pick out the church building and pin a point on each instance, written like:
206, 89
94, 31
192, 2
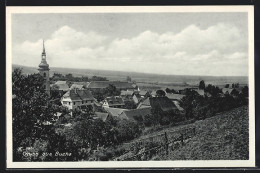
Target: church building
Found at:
44, 71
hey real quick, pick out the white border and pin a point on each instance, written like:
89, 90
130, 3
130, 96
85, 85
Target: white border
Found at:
131, 164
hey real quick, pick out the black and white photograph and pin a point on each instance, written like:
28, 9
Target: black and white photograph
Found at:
133, 87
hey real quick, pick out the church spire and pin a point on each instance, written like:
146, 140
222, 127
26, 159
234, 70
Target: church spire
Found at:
43, 50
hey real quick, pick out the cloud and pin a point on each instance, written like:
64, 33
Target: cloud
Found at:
191, 51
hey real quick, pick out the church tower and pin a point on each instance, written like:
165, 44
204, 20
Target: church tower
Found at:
44, 71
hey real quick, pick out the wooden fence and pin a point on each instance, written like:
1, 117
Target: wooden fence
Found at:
164, 143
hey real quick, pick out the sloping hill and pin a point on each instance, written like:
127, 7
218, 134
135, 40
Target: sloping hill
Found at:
222, 137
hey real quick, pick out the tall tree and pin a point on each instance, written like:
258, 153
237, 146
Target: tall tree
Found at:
202, 85
31, 111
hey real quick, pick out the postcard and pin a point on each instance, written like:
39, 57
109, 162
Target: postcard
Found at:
130, 87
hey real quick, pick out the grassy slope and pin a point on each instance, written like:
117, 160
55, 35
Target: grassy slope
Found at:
222, 137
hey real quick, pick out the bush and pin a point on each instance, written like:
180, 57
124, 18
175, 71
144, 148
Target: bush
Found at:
127, 130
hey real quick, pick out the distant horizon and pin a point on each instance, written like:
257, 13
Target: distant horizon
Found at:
128, 71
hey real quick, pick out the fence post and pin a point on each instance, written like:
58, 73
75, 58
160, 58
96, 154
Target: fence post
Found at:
182, 143
166, 144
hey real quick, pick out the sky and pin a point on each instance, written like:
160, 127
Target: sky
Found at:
213, 44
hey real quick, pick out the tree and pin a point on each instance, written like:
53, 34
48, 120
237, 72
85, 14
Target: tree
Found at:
168, 90
111, 90
227, 86
31, 111
245, 91
128, 79
202, 85
160, 93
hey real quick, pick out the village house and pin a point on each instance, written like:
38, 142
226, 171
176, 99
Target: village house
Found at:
102, 115
135, 114
62, 85
137, 98
174, 97
127, 95
75, 98
144, 93
114, 112
163, 102
113, 102
76, 86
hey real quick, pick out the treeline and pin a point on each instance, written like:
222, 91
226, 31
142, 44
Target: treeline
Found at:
201, 107
70, 77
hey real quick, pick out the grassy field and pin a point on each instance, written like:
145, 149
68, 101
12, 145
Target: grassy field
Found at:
222, 137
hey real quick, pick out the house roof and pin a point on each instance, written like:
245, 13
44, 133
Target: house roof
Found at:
78, 86
175, 96
177, 104
63, 87
126, 93
117, 84
102, 115
130, 114
114, 101
153, 93
85, 84
60, 82
200, 92
143, 92
76, 94
115, 112
162, 102
144, 103
227, 90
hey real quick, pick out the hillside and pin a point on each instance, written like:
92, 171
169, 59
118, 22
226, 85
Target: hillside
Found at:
222, 137
142, 77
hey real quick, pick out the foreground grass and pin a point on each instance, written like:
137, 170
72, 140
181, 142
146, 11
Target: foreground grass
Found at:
222, 137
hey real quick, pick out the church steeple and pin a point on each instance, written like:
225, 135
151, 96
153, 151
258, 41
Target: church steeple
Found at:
43, 50
44, 70
44, 63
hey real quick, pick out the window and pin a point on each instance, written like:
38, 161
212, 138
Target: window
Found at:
69, 103
82, 102
74, 103
44, 74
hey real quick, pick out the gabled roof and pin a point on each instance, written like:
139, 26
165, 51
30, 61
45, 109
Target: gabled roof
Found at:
77, 86
117, 84
85, 84
115, 112
60, 82
175, 96
153, 93
102, 115
227, 90
143, 92
79, 95
130, 114
144, 103
114, 101
200, 92
126, 93
177, 104
163, 103
63, 87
